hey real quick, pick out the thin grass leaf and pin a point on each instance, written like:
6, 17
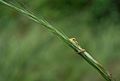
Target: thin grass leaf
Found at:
70, 42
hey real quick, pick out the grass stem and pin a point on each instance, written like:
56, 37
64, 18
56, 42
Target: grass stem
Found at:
69, 41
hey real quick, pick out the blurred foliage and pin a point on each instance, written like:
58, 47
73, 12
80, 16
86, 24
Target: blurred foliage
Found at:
28, 52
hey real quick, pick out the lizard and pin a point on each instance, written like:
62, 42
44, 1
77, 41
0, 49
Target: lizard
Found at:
75, 42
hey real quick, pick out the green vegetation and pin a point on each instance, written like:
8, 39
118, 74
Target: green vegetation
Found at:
22, 53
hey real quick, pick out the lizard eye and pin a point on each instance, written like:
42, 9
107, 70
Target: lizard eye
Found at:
73, 39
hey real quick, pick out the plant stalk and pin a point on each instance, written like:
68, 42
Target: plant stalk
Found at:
69, 41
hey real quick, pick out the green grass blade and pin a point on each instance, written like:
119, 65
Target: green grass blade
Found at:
70, 42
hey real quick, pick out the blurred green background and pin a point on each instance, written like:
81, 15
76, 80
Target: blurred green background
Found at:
29, 52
